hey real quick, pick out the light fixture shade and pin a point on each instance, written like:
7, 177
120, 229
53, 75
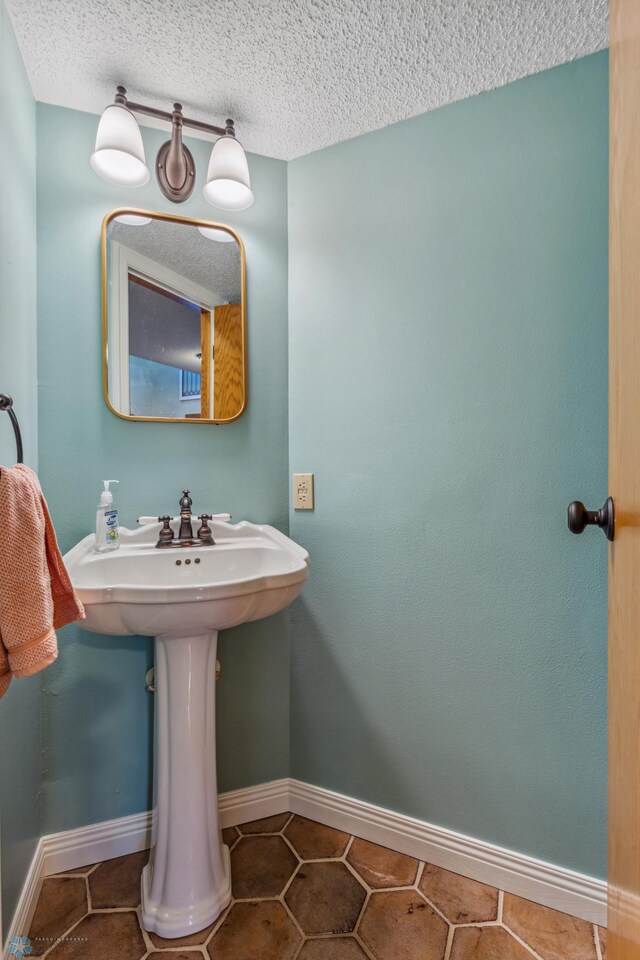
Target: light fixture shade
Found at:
133, 220
119, 153
215, 233
228, 185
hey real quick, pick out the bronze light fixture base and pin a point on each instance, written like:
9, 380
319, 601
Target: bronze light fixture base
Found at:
175, 166
178, 194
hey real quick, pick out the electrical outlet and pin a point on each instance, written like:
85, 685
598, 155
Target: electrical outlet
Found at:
303, 491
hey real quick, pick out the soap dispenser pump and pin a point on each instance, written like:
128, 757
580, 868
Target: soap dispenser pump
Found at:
107, 521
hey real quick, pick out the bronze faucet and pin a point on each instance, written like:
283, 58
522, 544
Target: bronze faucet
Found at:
186, 530
186, 536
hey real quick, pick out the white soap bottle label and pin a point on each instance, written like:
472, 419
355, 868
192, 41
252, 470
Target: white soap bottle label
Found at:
111, 526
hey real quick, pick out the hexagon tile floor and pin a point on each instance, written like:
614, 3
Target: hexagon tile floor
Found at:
302, 891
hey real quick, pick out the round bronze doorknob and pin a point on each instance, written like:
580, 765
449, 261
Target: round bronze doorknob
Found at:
578, 517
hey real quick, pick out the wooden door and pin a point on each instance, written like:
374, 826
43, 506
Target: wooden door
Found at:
228, 362
624, 483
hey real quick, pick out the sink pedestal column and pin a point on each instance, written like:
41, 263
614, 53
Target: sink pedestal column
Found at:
187, 882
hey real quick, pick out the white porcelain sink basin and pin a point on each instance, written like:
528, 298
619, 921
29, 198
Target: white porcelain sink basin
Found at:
251, 572
183, 596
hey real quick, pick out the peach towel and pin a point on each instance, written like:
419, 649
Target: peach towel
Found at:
36, 595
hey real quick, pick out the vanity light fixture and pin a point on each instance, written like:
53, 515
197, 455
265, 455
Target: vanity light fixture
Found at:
119, 153
119, 156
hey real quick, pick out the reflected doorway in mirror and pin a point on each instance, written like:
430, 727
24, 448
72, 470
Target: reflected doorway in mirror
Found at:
174, 318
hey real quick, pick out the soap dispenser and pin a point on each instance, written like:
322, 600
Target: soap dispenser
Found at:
107, 521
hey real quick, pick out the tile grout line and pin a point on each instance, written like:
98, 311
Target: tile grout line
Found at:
249, 836
64, 936
283, 892
289, 913
356, 926
522, 942
437, 910
285, 889
299, 949
263, 833
596, 940
352, 870
217, 923
478, 923
76, 875
291, 816
367, 888
449, 944
194, 947
291, 847
99, 911
145, 936
364, 947
84, 915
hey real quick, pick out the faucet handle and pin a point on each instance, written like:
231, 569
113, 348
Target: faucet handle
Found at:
166, 534
204, 532
144, 521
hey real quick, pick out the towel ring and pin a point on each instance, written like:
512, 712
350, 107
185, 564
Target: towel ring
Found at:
6, 403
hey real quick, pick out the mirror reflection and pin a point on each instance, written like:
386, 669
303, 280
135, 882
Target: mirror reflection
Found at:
174, 325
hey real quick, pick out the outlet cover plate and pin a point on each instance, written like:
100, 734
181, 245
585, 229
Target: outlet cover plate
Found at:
303, 491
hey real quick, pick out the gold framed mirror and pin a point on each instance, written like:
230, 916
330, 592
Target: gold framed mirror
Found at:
174, 322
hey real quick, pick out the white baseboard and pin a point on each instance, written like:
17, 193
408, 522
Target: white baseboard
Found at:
28, 900
96, 842
254, 803
516, 873
553, 886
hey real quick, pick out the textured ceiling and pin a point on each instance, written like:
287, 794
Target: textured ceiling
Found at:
213, 265
296, 75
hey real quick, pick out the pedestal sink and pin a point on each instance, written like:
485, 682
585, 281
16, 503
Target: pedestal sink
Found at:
183, 597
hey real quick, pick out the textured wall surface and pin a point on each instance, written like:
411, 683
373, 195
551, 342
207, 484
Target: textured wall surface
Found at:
97, 714
19, 709
448, 386
297, 75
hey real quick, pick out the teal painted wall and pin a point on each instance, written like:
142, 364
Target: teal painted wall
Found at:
155, 390
97, 714
448, 387
20, 707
